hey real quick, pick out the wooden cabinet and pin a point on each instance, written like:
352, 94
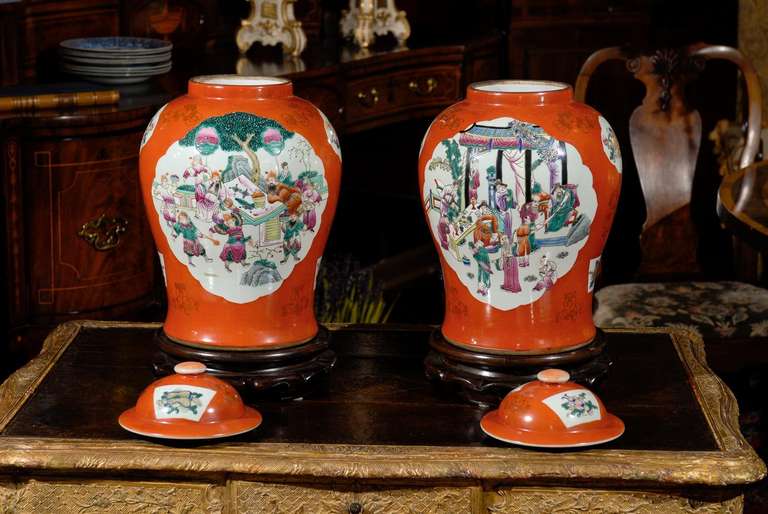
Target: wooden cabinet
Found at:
401, 91
76, 236
10, 14
359, 92
48, 22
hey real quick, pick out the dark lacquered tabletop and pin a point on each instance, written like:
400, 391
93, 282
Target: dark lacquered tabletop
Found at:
377, 395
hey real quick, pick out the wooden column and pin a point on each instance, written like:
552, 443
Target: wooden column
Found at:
528, 175
564, 162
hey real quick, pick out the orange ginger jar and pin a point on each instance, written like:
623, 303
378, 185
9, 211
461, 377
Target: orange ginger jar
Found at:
520, 184
240, 181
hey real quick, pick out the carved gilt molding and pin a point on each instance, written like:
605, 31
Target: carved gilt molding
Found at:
84, 497
556, 500
273, 498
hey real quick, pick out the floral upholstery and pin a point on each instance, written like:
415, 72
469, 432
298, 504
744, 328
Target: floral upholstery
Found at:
713, 309
716, 310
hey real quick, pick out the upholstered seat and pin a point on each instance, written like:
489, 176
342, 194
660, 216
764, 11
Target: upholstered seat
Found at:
715, 310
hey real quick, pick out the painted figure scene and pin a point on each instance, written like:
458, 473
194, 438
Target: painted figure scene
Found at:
511, 207
240, 197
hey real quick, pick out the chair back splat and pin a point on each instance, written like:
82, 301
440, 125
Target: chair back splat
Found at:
665, 137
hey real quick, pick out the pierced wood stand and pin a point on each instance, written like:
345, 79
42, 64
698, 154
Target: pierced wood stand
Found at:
284, 373
485, 378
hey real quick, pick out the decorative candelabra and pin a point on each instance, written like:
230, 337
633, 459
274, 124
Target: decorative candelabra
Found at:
272, 22
368, 18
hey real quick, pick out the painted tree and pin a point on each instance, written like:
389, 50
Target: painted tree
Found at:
453, 155
238, 131
302, 152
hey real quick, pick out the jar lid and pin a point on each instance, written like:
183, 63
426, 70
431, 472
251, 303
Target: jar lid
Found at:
191, 404
552, 412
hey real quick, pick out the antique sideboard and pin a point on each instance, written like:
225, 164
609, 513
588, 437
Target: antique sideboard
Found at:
378, 439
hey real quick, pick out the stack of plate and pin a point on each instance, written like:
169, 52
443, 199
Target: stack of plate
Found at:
115, 60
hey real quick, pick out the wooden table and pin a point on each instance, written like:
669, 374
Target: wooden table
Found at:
380, 439
743, 203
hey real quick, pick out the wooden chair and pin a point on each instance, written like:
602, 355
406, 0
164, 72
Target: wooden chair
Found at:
665, 137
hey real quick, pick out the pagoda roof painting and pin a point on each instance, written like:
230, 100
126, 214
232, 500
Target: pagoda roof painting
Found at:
516, 135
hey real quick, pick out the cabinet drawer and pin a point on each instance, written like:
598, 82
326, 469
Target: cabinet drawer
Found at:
79, 496
263, 498
368, 98
524, 500
431, 86
401, 91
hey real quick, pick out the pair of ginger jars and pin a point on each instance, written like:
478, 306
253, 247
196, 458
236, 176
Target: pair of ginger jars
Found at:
519, 185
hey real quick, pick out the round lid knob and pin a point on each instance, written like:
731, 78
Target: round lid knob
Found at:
553, 376
189, 368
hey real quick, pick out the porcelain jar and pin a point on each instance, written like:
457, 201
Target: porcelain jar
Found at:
240, 181
519, 185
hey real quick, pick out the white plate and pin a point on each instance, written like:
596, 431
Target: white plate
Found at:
114, 81
112, 60
117, 71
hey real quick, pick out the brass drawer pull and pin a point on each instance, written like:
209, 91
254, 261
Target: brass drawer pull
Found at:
104, 233
429, 86
369, 99
355, 508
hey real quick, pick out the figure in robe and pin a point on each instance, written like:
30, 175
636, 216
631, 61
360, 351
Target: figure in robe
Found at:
485, 227
523, 243
160, 186
291, 226
196, 167
217, 190
187, 230
309, 200
472, 211
542, 200
490, 176
474, 183
509, 265
564, 203
206, 205
169, 210
504, 203
443, 229
547, 274
234, 249
284, 176
480, 254
529, 212
449, 207
283, 193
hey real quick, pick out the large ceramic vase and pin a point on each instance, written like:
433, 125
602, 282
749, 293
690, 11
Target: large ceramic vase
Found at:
519, 185
240, 181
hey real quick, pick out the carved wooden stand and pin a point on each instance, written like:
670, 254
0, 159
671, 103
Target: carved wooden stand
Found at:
485, 378
284, 373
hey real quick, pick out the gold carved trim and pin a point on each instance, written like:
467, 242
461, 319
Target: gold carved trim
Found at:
107, 496
734, 464
532, 500
286, 498
20, 385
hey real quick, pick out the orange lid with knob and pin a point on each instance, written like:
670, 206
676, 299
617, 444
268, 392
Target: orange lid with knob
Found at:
191, 404
552, 412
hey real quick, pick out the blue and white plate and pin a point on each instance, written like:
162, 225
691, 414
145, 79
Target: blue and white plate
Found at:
119, 45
